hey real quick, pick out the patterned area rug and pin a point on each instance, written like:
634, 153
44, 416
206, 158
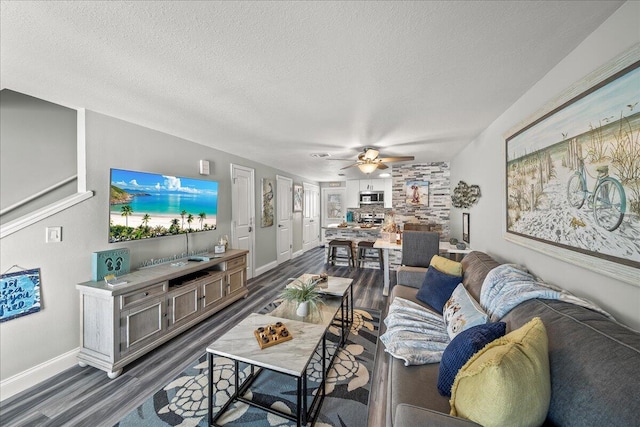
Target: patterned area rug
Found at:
183, 402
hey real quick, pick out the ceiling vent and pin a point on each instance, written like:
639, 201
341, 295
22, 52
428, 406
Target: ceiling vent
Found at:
320, 155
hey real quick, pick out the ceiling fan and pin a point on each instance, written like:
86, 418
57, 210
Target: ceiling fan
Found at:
369, 160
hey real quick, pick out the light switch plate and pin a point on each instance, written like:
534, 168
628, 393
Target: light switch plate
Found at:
54, 235
204, 167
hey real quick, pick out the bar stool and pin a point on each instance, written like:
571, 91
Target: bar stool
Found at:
365, 248
333, 255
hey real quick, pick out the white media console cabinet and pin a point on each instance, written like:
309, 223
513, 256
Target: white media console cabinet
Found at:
119, 324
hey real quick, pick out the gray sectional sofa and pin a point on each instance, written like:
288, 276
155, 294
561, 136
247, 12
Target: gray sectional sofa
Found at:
594, 362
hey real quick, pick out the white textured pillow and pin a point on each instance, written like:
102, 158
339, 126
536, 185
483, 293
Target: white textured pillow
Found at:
461, 312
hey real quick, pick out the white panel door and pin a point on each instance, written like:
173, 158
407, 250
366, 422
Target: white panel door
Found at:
311, 217
243, 212
284, 197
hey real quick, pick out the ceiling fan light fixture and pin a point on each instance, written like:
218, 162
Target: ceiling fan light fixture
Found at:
367, 167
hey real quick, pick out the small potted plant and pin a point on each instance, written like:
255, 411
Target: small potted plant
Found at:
305, 294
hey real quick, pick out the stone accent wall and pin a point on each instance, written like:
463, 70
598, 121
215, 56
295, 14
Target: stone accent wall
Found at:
437, 213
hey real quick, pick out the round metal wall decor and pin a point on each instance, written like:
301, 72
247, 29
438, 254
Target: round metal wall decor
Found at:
465, 195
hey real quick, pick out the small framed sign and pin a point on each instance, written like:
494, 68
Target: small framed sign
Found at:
104, 263
20, 294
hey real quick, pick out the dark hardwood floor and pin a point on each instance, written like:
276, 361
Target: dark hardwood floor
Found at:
86, 397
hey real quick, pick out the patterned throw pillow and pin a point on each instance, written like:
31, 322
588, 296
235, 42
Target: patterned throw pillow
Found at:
437, 288
461, 348
507, 383
447, 265
461, 312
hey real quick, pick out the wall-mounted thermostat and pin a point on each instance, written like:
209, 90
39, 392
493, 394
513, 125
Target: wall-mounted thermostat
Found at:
204, 167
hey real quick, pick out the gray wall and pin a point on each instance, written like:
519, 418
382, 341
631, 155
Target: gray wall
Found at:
31, 340
43, 136
482, 163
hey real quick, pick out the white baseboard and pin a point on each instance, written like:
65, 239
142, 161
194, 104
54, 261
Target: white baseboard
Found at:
297, 254
32, 376
263, 269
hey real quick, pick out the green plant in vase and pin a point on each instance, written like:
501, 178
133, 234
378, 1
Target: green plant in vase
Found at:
305, 294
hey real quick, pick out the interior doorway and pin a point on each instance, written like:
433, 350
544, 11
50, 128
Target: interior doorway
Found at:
284, 237
311, 216
243, 213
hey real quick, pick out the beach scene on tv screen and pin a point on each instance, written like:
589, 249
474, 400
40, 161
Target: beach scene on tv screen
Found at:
144, 205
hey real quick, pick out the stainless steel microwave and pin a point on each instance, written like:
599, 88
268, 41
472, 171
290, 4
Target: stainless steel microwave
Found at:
372, 197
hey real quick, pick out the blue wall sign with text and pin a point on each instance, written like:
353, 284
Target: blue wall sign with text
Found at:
19, 294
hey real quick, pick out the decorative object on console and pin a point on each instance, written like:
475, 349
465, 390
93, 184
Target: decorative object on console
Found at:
464, 195
115, 261
417, 193
461, 246
20, 293
144, 205
267, 211
465, 227
453, 241
569, 184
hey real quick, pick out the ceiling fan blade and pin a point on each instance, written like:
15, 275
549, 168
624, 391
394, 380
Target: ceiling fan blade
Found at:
350, 166
382, 166
397, 159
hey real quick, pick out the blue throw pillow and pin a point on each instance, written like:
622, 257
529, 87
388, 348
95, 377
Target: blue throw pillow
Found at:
461, 348
437, 288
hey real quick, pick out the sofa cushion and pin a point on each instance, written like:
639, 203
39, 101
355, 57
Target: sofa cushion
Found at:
507, 382
437, 288
476, 265
461, 348
593, 361
446, 265
462, 312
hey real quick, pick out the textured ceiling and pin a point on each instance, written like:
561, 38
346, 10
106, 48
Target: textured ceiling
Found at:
277, 81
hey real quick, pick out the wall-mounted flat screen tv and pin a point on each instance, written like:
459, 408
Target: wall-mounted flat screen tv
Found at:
144, 205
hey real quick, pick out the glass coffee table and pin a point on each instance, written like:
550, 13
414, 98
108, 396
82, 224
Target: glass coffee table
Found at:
291, 358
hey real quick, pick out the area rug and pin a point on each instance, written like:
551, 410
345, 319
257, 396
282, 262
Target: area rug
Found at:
183, 402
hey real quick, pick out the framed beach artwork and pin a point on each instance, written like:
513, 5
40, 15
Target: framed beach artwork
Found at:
573, 175
267, 209
297, 198
417, 193
20, 294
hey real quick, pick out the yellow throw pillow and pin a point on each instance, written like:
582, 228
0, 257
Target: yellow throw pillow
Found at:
507, 383
447, 266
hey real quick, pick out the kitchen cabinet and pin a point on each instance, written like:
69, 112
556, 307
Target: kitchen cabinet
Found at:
375, 184
353, 193
120, 324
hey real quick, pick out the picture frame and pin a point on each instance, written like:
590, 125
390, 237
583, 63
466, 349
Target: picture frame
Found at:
267, 210
298, 197
465, 227
568, 193
417, 193
20, 294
